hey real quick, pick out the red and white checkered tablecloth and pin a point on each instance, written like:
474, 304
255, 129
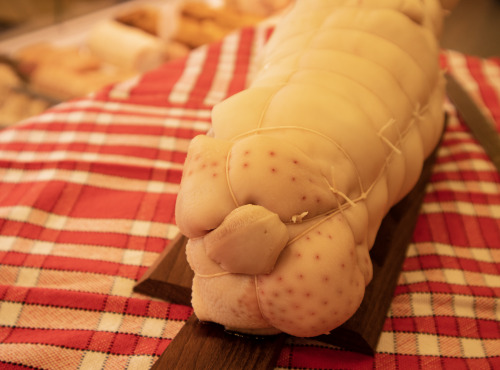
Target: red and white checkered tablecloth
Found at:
87, 193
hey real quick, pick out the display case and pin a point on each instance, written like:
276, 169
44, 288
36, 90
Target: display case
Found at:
47, 55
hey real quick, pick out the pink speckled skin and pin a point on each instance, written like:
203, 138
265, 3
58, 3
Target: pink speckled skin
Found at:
283, 202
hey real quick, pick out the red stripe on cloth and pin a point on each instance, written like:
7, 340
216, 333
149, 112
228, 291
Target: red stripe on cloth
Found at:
458, 230
243, 56
120, 240
82, 265
64, 298
447, 288
13, 293
269, 32
454, 141
70, 299
12, 366
124, 344
118, 304
139, 129
137, 307
461, 156
36, 232
162, 346
150, 346
165, 155
58, 298
176, 312
126, 171
135, 172
130, 344
476, 363
128, 151
24, 193
43, 148
12, 258
427, 262
72, 264
75, 339
445, 325
204, 81
385, 361
174, 156
312, 357
475, 198
101, 341
107, 203
52, 194
468, 175
106, 114
111, 343
154, 86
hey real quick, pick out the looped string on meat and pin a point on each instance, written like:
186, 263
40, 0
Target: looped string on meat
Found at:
391, 122
260, 130
332, 131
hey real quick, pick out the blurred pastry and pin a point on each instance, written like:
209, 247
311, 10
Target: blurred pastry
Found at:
262, 8
201, 24
71, 57
8, 77
198, 10
125, 46
64, 84
175, 50
144, 18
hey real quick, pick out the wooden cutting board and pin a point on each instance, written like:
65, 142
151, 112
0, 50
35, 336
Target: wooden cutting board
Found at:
208, 346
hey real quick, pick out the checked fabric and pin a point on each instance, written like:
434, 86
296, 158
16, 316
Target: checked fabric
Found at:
87, 194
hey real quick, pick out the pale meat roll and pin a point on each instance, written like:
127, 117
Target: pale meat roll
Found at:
283, 203
126, 47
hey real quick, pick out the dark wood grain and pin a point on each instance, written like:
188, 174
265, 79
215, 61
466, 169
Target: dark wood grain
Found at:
208, 346
170, 277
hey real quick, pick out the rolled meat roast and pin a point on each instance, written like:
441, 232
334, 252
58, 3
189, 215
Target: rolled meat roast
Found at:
282, 202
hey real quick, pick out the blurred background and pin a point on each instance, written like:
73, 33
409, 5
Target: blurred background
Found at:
474, 28
56, 50
19, 16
